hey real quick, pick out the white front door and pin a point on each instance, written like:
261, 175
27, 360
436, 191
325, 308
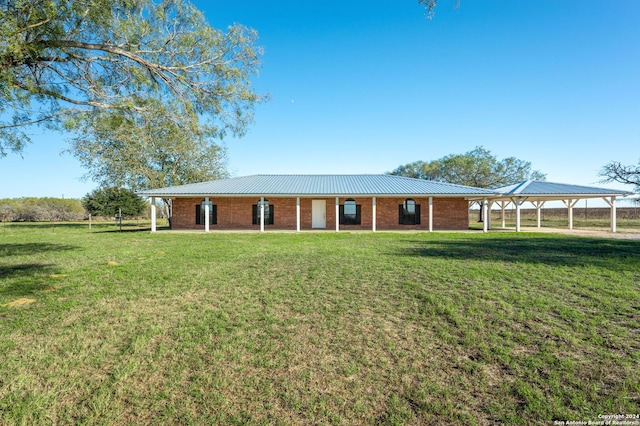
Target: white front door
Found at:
318, 213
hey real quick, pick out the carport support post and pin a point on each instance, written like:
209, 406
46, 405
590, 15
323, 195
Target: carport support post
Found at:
153, 214
485, 222
570, 203
261, 214
373, 214
297, 214
337, 214
612, 204
518, 204
430, 214
206, 214
613, 214
538, 205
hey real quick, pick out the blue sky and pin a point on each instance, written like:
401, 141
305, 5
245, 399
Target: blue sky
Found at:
364, 86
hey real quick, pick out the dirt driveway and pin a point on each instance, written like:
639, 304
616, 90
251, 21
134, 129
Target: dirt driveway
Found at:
622, 234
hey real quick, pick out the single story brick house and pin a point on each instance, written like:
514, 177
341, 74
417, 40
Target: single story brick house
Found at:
315, 202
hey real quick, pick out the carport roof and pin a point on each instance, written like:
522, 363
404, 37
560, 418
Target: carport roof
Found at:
319, 185
542, 189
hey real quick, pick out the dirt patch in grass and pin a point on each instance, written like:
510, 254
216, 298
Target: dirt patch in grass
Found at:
20, 302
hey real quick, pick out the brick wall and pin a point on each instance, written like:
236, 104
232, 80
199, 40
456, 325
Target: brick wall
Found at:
236, 213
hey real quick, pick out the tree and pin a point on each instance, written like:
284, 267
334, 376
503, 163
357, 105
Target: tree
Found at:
617, 172
140, 151
429, 5
89, 67
477, 168
110, 201
418, 170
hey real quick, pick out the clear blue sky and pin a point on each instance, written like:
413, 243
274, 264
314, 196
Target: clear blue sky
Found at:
364, 86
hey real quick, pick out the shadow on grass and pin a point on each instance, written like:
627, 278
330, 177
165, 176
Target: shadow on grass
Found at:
553, 251
21, 249
130, 229
27, 278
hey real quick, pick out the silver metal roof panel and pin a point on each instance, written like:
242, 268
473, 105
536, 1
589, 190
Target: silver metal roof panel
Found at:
542, 188
318, 185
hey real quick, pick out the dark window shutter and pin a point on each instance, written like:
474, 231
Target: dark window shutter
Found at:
417, 222
214, 215
198, 214
341, 214
255, 220
400, 214
358, 214
271, 214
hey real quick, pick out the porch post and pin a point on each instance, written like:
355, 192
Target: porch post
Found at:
298, 214
518, 227
539, 205
153, 214
613, 214
485, 222
206, 214
261, 214
430, 214
488, 217
337, 214
503, 204
612, 204
373, 213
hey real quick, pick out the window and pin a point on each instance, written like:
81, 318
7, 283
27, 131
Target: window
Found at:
213, 213
350, 213
409, 213
268, 213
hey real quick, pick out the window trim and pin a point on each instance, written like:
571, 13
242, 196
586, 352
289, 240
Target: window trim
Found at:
268, 213
406, 218
213, 213
350, 219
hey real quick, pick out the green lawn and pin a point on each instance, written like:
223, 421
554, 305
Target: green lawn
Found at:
315, 328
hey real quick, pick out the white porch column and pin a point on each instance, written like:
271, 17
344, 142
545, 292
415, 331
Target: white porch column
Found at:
153, 214
373, 213
518, 204
261, 214
538, 205
485, 223
430, 214
503, 205
612, 204
488, 217
206, 214
298, 214
570, 204
337, 214
613, 214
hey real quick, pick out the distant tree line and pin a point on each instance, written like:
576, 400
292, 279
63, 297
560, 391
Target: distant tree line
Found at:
104, 202
41, 210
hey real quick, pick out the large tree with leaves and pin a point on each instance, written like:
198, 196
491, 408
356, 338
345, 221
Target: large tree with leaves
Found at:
112, 201
126, 76
478, 168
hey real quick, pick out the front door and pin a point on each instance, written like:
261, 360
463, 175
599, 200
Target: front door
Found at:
318, 213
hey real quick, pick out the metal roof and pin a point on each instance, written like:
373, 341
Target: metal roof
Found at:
538, 188
318, 185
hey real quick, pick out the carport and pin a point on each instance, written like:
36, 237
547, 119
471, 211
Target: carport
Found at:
539, 192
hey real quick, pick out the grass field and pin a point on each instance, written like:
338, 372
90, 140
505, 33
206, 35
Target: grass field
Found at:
101, 327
